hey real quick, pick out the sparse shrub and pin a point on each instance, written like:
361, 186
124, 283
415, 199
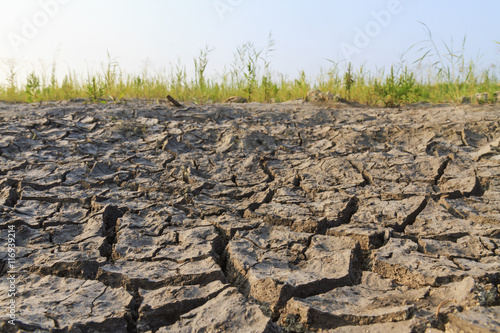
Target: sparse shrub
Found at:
348, 81
94, 89
33, 87
396, 90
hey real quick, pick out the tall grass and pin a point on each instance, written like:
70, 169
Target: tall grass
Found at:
455, 75
449, 76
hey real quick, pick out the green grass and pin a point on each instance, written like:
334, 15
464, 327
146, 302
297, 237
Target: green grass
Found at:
449, 76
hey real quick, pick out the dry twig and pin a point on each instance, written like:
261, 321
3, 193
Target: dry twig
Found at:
444, 303
173, 101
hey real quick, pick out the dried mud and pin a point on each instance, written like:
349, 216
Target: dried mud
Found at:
288, 217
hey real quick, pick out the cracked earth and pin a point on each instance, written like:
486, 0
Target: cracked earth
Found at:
288, 217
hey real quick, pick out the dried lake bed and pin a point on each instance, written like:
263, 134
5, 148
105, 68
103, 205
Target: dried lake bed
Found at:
287, 217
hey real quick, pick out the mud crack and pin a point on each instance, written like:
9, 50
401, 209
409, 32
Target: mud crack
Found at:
110, 216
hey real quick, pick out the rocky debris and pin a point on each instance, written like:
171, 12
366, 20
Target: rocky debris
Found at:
297, 216
315, 96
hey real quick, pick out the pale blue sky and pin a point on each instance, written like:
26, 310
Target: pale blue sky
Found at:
307, 33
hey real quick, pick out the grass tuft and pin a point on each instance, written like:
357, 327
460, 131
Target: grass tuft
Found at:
449, 77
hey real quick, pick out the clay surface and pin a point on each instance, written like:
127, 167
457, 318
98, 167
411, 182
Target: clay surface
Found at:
245, 217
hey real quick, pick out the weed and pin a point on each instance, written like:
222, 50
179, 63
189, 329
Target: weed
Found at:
33, 88
249, 61
269, 88
301, 84
449, 76
348, 81
396, 90
94, 89
455, 75
252, 57
200, 66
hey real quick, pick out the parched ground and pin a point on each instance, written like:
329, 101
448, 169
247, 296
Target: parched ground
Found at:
286, 217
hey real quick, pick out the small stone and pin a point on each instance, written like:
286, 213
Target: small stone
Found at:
482, 98
235, 99
497, 96
335, 98
316, 96
465, 100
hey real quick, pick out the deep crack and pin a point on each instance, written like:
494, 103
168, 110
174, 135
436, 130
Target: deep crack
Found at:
410, 218
267, 171
110, 216
441, 170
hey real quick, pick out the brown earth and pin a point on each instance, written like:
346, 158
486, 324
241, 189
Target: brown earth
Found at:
287, 217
